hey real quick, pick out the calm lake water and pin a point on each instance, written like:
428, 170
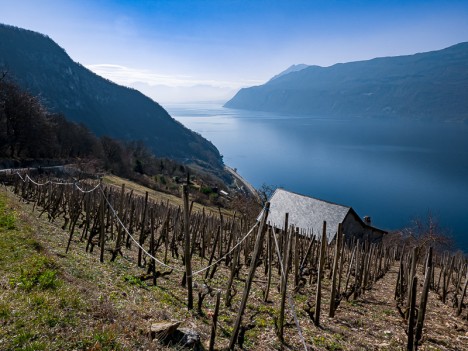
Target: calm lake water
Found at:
394, 171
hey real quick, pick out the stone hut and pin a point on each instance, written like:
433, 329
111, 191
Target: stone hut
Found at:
308, 213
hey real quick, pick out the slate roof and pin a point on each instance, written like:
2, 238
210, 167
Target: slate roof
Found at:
306, 213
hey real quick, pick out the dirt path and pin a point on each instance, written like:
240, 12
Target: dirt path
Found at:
377, 325
245, 184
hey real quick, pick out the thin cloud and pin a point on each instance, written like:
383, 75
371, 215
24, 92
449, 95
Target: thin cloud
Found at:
127, 76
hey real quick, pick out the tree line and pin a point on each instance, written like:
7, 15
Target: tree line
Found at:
30, 134
29, 131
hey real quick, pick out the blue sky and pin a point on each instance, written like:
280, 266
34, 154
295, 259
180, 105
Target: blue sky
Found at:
207, 49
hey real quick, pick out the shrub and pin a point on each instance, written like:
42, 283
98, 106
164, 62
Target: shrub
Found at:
38, 271
132, 280
206, 190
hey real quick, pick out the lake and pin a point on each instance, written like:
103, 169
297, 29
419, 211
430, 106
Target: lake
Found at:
392, 170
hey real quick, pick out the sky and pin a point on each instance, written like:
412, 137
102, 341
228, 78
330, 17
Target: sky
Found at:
206, 50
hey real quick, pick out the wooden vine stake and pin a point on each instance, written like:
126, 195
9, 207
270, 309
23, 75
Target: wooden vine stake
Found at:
459, 309
423, 303
412, 273
248, 283
118, 243
336, 259
318, 297
411, 315
270, 263
142, 232
234, 265
284, 275
215, 322
102, 236
285, 239
187, 255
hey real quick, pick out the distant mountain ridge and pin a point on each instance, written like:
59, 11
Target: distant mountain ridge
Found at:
290, 69
431, 85
42, 67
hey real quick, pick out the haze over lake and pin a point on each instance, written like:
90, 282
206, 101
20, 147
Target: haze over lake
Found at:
391, 170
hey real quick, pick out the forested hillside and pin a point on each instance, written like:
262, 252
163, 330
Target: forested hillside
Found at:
42, 67
31, 136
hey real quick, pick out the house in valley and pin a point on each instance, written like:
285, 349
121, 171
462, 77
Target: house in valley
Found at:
308, 214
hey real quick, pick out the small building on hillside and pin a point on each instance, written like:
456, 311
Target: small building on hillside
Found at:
308, 214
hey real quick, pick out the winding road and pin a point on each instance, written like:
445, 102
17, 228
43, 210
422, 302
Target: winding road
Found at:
245, 185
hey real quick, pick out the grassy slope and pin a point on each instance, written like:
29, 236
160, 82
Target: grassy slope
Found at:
53, 301
158, 196
50, 301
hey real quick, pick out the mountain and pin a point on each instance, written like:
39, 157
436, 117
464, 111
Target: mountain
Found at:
293, 68
43, 68
431, 85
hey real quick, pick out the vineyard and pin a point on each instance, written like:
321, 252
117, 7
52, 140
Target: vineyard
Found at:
246, 285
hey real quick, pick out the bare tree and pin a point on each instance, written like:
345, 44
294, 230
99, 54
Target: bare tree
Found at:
423, 233
266, 192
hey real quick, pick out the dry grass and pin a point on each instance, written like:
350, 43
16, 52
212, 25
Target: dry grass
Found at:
158, 196
105, 306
